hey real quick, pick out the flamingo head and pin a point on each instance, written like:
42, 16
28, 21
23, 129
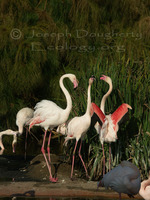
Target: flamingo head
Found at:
91, 79
106, 79
74, 80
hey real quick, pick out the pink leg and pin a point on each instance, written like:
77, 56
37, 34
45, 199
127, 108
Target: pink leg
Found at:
48, 165
48, 147
73, 158
109, 156
103, 159
82, 160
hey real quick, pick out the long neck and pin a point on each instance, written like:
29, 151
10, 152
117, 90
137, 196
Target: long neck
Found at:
102, 106
66, 93
1, 144
88, 100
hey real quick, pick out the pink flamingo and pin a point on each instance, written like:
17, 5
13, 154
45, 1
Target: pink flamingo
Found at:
8, 132
78, 126
108, 130
145, 188
48, 115
23, 118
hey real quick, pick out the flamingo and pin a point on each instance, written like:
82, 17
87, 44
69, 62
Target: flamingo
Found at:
48, 115
23, 118
125, 178
8, 132
78, 126
145, 188
108, 131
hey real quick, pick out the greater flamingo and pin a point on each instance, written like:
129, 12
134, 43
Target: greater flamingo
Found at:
8, 132
23, 118
145, 188
48, 115
125, 178
108, 130
78, 126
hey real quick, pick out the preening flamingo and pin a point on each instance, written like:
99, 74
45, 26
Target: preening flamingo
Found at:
145, 188
108, 130
78, 126
125, 178
8, 132
48, 115
23, 118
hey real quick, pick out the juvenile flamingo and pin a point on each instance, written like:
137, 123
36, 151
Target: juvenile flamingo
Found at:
48, 115
145, 188
78, 126
125, 178
8, 132
108, 130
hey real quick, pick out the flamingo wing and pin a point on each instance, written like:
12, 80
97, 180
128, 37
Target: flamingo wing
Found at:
120, 113
98, 112
36, 120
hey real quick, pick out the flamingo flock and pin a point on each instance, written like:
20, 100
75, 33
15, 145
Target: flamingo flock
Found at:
125, 178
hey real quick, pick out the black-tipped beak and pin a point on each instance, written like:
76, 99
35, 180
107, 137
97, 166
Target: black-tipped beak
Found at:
93, 77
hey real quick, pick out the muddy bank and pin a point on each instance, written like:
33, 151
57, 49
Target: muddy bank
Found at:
20, 178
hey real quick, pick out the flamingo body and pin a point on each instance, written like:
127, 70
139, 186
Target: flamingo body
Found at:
108, 131
125, 178
48, 114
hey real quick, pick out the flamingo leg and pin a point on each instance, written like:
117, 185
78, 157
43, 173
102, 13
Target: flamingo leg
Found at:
109, 156
103, 159
82, 160
73, 158
48, 147
48, 165
25, 154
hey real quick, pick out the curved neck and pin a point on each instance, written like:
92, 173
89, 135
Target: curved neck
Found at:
102, 106
66, 93
88, 100
1, 144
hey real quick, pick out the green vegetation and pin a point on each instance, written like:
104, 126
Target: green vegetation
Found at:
41, 40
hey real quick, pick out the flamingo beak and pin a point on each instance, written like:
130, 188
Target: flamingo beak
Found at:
103, 77
75, 83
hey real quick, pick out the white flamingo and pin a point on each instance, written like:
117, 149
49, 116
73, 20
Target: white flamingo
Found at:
23, 118
48, 115
145, 188
8, 132
78, 126
108, 130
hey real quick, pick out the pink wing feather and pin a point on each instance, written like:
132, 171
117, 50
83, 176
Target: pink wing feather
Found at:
34, 121
119, 113
99, 113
